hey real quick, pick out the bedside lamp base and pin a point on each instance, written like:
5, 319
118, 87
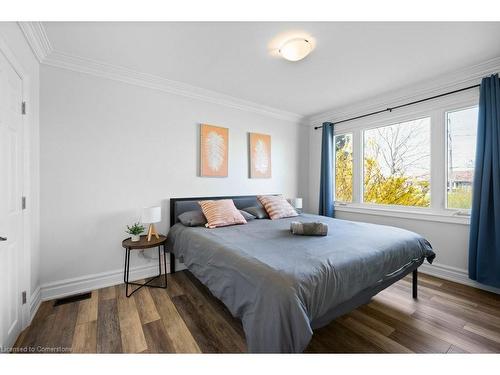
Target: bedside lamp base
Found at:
152, 232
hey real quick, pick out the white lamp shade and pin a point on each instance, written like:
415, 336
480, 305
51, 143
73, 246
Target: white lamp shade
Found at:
296, 202
151, 215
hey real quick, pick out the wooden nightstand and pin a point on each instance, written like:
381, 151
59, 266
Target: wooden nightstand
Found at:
141, 245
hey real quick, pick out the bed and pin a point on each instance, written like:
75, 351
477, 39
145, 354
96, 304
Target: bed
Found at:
282, 286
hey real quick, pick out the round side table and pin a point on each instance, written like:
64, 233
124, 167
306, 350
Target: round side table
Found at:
142, 245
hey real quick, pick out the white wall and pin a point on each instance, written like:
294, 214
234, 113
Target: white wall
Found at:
109, 148
13, 38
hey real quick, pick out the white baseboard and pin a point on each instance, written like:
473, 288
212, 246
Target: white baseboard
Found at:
88, 283
83, 284
35, 302
454, 274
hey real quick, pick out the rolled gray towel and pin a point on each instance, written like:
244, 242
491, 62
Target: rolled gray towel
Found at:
309, 229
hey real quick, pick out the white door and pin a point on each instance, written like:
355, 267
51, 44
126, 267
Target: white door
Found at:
11, 185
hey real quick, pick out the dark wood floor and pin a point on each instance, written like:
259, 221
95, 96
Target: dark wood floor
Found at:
447, 318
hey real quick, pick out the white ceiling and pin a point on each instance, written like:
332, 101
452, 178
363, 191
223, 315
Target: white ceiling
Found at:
350, 62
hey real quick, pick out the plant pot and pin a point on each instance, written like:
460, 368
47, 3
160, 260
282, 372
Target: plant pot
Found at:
135, 237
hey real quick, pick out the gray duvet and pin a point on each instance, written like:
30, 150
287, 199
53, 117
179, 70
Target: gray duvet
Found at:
282, 286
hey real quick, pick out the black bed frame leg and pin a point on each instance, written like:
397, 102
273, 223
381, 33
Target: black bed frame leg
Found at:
172, 263
415, 284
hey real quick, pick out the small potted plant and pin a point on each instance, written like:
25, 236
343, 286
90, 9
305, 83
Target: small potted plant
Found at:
135, 231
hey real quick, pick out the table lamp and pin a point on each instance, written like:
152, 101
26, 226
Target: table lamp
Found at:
151, 215
296, 203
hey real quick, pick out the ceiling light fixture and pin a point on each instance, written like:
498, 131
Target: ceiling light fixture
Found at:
295, 49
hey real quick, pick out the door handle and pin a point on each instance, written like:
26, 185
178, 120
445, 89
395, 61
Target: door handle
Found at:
3, 238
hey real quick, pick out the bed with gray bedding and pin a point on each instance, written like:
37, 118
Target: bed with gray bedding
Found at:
283, 286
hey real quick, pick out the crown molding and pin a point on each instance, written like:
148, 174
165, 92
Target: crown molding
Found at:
35, 34
118, 73
37, 38
447, 82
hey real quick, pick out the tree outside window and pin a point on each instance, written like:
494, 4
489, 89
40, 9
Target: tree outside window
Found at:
397, 164
343, 168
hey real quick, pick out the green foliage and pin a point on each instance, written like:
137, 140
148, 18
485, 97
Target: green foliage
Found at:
343, 175
396, 189
135, 229
460, 198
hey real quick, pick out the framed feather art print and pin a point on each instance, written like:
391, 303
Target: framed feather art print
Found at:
214, 142
260, 155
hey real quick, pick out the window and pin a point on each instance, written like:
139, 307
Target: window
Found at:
461, 129
397, 164
343, 167
416, 162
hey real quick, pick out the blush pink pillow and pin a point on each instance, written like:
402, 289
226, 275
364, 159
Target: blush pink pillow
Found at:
277, 207
221, 213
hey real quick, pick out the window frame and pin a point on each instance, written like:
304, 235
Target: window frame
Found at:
463, 211
436, 110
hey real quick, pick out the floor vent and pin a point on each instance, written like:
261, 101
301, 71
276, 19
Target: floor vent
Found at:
75, 298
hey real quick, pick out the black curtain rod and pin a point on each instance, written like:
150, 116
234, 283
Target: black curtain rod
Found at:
402, 105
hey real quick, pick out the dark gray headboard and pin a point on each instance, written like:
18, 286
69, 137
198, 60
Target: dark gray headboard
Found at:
180, 205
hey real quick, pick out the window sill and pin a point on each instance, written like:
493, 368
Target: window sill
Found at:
442, 217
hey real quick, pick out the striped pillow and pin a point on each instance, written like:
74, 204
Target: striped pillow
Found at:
277, 207
221, 213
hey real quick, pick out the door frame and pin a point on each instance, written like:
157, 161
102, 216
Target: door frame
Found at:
27, 184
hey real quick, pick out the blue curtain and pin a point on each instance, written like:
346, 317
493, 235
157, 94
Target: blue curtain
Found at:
484, 240
326, 182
